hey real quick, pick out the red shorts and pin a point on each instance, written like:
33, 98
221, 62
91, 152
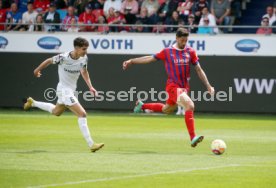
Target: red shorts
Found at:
174, 91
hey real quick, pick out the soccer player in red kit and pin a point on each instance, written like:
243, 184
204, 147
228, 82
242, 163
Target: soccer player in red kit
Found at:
177, 59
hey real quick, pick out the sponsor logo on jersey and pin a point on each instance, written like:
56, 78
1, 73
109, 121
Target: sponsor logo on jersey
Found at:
49, 43
71, 71
247, 45
180, 62
3, 42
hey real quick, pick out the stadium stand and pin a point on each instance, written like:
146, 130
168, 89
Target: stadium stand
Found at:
243, 12
253, 13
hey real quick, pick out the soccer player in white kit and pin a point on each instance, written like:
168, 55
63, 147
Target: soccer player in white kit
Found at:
70, 66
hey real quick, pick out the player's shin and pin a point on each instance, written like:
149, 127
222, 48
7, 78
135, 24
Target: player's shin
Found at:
155, 107
190, 123
44, 106
85, 131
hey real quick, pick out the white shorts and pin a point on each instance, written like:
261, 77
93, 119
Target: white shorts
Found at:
66, 96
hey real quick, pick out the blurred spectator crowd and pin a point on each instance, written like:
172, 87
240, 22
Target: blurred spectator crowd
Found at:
202, 16
268, 19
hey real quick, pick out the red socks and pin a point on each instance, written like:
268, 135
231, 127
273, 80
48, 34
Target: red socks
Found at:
189, 116
155, 107
190, 123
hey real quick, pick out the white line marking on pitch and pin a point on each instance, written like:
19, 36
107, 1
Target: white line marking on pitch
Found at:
131, 176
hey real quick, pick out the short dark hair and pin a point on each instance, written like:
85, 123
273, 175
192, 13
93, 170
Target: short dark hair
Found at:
80, 42
182, 32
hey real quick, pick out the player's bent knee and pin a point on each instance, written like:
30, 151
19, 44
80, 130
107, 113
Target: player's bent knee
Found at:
83, 114
56, 113
190, 107
167, 111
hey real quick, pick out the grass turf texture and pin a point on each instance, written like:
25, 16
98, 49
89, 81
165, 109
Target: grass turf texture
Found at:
37, 149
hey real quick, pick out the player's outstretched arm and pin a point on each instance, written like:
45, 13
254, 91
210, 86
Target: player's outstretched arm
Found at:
43, 65
86, 77
201, 74
139, 60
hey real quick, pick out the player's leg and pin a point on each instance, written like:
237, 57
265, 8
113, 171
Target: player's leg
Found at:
179, 110
183, 111
56, 110
152, 107
169, 108
59, 109
79, 111
41, 105
185, 101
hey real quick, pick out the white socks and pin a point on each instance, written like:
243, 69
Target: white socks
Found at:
44, 106
180, 111
85, 131
82, 121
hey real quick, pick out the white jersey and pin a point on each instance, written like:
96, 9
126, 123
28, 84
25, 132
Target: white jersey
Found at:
69, 69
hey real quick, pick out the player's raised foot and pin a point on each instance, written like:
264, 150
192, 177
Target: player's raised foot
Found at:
196, 140
96, 147
138, 107
28, 104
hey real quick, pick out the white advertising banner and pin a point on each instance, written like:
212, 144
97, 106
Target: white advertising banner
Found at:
128, 43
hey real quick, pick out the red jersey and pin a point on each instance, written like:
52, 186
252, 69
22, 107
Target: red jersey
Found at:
87, 19
188, 5
178, 63
2, 18
119, 18
42, 5
102, 28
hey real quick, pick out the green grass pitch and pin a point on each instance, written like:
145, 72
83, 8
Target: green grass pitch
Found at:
39, 150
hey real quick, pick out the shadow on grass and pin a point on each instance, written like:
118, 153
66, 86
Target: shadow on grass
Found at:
28, 152
136, 152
